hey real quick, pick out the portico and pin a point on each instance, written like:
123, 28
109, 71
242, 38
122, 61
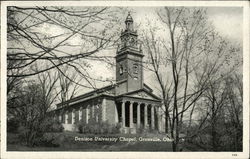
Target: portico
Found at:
137, 114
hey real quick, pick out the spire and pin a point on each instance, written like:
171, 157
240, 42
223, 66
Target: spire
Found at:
129, 18
129, 22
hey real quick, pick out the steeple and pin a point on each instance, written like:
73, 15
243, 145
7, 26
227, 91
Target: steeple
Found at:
129, 23
129, 72
129, 37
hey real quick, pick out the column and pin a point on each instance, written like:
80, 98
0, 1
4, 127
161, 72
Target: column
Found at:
145, 116
159, 118
66, 117
96, 114
87, 114
116, 114
123, 114
60, 116
93, 112
104, 109
138, 115
152, 117
131, 115
73, 116
80, 114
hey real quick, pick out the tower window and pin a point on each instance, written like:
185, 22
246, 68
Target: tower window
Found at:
121, 70
135, 71
135, 68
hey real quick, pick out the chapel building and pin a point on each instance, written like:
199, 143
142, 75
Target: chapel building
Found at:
130, 102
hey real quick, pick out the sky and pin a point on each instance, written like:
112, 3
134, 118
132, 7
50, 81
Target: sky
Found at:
228, 21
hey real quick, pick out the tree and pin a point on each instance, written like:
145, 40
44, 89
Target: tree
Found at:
185, 61
234, 110
67, 87
216, 97
152, 48
34, 100
221, 110
55, 38
222, 60
185, 28
30, 40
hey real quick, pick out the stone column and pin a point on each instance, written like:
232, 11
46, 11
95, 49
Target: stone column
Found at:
73, 116
60, 117
145, 116
66, 117
93, 111
123, 114
87, 114
80, 114
104, 109
96, 117
131, 123
159, 118
152, 117
138, 115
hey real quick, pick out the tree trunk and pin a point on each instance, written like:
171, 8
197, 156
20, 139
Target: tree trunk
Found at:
174, 146
214, 142
166, 121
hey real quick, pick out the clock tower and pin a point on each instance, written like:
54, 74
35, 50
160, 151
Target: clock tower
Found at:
129, 71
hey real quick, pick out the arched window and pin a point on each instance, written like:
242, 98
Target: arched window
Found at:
135, 68
121, 69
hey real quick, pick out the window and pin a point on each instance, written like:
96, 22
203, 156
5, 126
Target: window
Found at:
135, 69
121, 69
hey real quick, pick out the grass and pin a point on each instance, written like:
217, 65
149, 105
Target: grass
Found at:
67, 142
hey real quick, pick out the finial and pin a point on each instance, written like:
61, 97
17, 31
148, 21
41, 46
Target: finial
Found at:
129, 22
129, 17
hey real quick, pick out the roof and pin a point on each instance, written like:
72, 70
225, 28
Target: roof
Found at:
108, 91
105, 89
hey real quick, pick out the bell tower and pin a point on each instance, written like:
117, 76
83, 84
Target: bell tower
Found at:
129, 71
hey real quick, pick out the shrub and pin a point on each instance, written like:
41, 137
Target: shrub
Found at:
140, 130
29, 135
23, 133
116, 128
80, 126
94, 127
33, 133
50, 140
12, 125
50, 125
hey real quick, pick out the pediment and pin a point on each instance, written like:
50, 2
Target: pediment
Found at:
143, 94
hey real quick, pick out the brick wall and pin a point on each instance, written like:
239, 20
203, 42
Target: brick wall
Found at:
110, 111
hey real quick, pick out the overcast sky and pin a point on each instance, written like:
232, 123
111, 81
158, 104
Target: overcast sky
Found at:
228, 21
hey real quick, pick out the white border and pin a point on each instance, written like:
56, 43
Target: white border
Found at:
144, 155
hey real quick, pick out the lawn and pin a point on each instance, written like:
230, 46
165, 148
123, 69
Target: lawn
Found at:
114, 142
